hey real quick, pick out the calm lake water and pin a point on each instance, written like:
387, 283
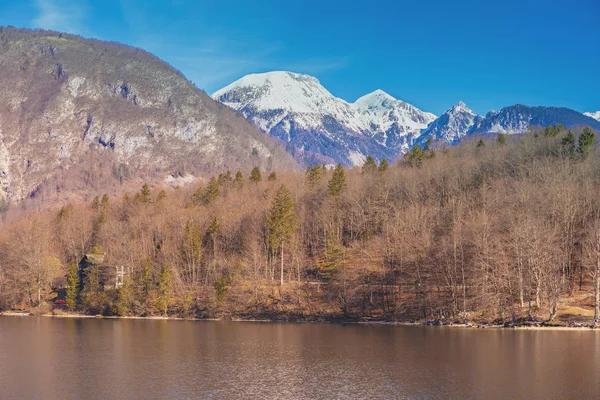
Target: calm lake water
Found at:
46, 358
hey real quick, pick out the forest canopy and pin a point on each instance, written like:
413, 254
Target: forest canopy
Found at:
498, 229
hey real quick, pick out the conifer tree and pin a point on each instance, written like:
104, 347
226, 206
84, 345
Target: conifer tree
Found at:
337, 183
568, 141
164, 285
333, 256
124, 298
415, 156
272, 177
586, 140
73, 285
383, 165
480, 143
239, 178
255, 175
369, 166
314, 174
282, 221
501, 138
95, 203
145, 194
550, 131
161, 195
146, 277
211, 192
211, 233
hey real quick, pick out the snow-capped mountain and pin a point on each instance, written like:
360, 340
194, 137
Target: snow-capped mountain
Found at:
595, 115
460, 122
518, 118
395, 123
300, 111
454, 124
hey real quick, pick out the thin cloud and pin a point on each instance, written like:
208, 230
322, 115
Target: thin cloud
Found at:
60, 15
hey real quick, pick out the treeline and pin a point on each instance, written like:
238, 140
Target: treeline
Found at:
502, 229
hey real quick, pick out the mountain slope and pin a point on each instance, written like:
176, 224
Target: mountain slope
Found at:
65, 97
518, 118
454, 124
459, 122
300, 111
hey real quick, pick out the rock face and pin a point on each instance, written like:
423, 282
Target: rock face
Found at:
298, 110
64, 97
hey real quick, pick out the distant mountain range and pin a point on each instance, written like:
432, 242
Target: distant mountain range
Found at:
300, 111
317, 126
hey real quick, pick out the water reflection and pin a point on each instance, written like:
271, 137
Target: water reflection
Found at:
76, 358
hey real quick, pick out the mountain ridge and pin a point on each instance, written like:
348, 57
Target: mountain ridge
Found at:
302, 113
297, 109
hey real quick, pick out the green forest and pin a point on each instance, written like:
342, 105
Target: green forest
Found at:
502, 230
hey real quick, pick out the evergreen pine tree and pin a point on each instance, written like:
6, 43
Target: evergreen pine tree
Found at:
255, 175
145, 194
161, 195
568, 141
586, 140
369, 166
239, 178
124, 298
73, 285
272, 177
282, 221
165, 289
211, 192
333, 257
480, 143
415, 156
145, 283
383, 165
337, 183
550, 131
501, 138
314, 174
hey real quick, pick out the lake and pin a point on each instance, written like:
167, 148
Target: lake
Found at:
54, 358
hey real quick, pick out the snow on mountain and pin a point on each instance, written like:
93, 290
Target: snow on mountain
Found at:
518, 118
395, 123
595, 115
454, 124
300, 111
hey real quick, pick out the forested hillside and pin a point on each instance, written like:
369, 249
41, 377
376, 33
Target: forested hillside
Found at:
506, 229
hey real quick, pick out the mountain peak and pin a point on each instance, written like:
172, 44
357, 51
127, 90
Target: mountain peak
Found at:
374, 99
461, 107
297, 109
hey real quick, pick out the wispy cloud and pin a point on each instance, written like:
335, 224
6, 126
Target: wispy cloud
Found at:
213, 57
60, 15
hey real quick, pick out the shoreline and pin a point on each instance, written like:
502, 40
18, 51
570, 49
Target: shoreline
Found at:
392, 323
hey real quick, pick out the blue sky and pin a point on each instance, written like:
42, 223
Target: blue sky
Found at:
430, 53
